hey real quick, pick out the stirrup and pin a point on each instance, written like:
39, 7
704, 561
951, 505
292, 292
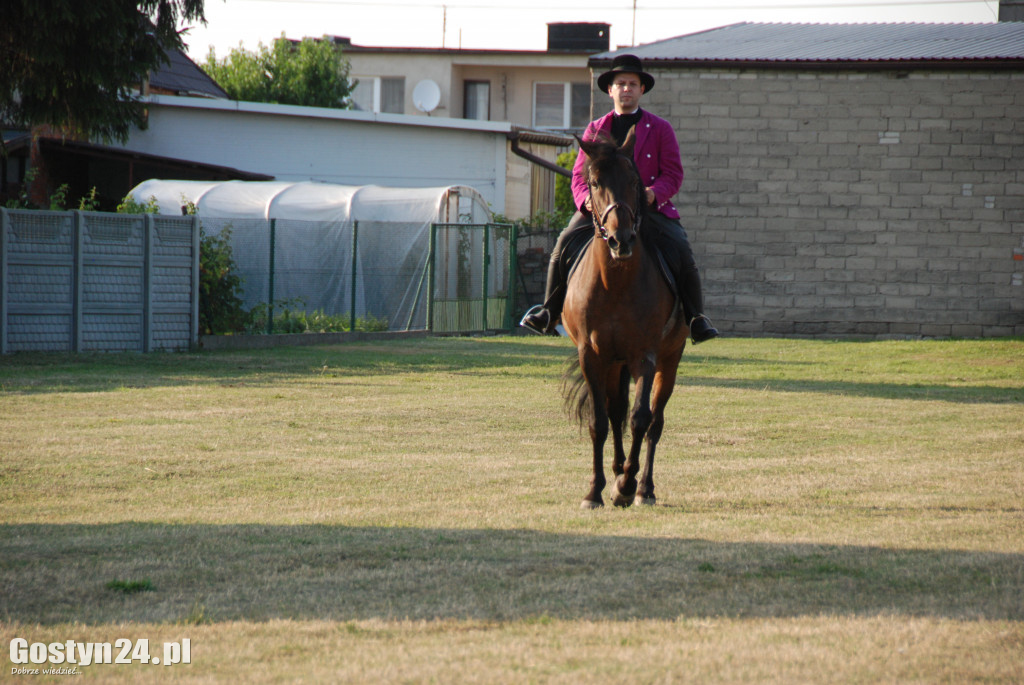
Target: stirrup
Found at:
530, 325
527, 321
709, 333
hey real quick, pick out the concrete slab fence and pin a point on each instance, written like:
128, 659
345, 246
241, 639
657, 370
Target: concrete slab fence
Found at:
90, 281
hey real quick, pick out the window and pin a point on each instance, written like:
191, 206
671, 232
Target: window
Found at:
542, 190
379, 94
477, 100
561, 105
364, 95
392, 95
579, 111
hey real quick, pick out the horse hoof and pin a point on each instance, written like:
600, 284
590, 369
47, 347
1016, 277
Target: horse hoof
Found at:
618, 499
591, 504
647, 501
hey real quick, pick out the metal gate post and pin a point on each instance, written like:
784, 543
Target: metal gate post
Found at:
430, 277
270, 278
513, 269
352, 294
487, 262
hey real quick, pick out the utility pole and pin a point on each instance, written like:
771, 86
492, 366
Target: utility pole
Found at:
444, 23
632, 40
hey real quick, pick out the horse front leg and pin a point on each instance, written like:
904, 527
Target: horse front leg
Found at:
598, 430
664, 384
618, 406
625, 488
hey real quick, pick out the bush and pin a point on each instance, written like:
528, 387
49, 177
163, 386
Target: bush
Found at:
129, 205
220, 304
565, 205
294, 319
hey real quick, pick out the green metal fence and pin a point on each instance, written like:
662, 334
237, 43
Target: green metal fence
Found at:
471, 270
445, 278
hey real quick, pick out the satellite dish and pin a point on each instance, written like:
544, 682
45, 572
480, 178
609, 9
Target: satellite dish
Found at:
426, 96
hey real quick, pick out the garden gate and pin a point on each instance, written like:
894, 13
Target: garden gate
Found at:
471, 277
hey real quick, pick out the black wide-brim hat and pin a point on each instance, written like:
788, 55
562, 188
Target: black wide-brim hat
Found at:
625, 64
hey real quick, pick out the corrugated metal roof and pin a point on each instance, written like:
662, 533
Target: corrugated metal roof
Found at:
748, 42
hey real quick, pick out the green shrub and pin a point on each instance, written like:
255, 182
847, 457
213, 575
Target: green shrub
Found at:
220, 287
89, 203
220, 304
130, 206
291, 317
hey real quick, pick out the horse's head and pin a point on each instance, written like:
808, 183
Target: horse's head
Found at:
616, 194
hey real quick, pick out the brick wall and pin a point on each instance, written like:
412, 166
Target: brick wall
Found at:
857, 204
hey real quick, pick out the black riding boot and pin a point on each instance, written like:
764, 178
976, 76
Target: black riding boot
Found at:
543, 318
675, 248
693, 305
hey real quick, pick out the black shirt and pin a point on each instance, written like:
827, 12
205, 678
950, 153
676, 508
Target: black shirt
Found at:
621, 123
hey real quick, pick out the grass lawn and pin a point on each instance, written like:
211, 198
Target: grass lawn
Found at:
407, 512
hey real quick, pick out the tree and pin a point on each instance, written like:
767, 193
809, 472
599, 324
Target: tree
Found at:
313, 73
77, 65
565, 205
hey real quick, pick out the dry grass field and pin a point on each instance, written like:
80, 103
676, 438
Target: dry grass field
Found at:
407, 512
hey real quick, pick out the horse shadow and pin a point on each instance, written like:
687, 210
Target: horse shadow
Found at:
64, 573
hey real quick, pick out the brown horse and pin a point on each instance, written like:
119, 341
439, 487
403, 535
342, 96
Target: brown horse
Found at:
624, 319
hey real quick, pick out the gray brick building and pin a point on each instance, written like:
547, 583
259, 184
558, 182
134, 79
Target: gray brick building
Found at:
850, 180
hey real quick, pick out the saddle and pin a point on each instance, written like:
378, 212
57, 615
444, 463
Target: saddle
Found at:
576, 247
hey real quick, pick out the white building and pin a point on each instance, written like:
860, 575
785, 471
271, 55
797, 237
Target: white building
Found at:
294, 143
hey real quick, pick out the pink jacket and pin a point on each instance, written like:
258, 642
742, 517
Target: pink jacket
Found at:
656, 154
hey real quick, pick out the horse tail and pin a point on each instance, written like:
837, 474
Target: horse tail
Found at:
576, 392
578, 400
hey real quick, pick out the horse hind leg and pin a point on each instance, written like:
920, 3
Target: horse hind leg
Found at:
625, 487
618, 407
598, 435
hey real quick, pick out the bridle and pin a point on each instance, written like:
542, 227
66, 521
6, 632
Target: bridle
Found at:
635, 216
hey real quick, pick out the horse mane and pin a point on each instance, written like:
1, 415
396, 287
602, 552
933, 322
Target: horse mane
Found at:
601, 153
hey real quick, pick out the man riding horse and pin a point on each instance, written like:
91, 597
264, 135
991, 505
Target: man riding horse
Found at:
657, 159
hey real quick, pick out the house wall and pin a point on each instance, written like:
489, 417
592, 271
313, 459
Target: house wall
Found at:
845, 203
302, 143
511, 76
414, 69
512, 88
522, 196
